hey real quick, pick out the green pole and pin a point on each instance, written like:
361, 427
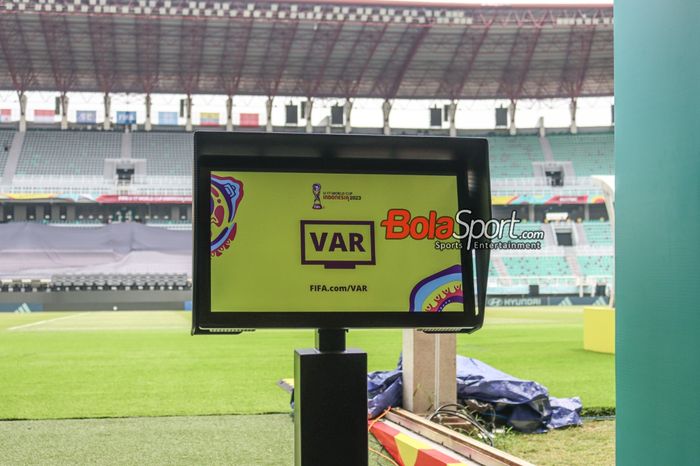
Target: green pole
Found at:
657, 94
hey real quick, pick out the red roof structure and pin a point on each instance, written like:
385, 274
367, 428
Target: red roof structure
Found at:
342, 49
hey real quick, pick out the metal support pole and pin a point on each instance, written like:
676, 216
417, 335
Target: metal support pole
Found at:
572, 111
268, 108
347, 109
330, 339
64, 110
307, 114
22, 111
330, 379
511, 113
107, 124
229, 113
452, 117
147, 124
188, 113
386, 111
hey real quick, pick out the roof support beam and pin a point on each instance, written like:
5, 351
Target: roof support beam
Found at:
388, 85
386, 112
578, 53
366, 45
276, 56
58, 44
312, 49
15, 52
107, 123
518, 65
586, 47
192, 32
233, 55
455, 77
229, 113
148, 50
323, 42
103, 42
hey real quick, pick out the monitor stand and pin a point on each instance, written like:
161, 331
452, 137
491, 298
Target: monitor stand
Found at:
330, 403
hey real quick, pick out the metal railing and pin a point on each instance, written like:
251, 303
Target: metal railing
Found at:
96, 185
573, 181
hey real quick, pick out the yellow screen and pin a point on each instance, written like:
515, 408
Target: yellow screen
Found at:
294, 242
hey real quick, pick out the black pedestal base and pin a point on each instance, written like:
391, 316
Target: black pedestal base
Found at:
330, 404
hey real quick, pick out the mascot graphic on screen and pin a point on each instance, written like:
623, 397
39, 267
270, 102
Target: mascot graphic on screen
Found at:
226, 194
436, 292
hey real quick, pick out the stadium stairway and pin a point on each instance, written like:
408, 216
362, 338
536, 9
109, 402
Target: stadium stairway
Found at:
550, 239
580, 232
546, 149
125, 150
501, 268
572, 259
13, 157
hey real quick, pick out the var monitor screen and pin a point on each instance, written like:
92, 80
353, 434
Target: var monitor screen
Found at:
333, 232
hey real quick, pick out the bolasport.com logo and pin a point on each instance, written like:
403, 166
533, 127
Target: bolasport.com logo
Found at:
462, 230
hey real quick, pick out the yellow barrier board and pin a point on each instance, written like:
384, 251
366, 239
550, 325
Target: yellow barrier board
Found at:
599, 329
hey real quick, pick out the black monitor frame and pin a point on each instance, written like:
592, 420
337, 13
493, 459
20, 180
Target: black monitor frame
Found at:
465, 158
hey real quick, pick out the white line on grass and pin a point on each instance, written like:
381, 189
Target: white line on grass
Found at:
107, 329
18, 327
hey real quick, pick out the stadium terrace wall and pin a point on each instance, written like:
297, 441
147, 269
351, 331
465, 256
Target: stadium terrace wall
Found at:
545, 300
122, 300
176, 300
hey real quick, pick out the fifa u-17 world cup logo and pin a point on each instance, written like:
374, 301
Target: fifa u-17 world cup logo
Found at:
316, 189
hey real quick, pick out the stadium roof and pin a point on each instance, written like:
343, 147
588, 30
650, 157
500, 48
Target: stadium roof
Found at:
331, 49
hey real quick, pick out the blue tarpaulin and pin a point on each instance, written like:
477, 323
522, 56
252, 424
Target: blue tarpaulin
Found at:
521, 404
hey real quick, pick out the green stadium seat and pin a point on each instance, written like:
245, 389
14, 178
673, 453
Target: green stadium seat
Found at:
512, 156
166, 153
5, 141
598, 233
591, 154
596, 265
78, 153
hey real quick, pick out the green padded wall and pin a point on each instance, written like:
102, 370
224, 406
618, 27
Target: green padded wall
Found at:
657, 95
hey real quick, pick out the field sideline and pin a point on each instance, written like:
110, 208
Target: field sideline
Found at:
117, 364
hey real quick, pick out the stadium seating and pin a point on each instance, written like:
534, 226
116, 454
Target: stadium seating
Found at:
177, 225
77, 153
598, 233
167, 154
512, 156
493, 272
71, 282
5, 142
74, 158
591, 154
524, 226
75, 223
596, 265
538, 266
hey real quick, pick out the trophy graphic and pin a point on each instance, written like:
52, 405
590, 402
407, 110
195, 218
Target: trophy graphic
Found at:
316, 189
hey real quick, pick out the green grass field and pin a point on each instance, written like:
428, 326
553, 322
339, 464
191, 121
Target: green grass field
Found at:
134, 364
115, 364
